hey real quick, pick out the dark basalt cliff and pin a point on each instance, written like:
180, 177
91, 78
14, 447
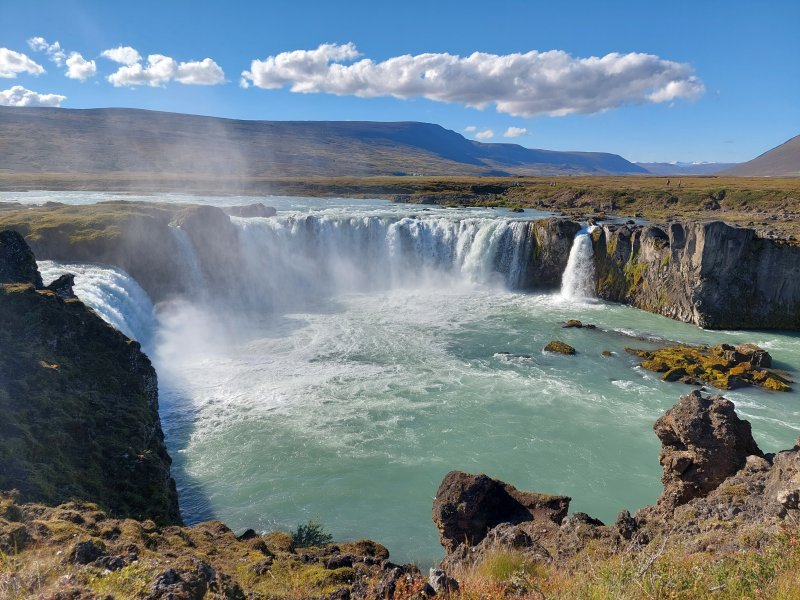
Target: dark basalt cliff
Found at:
78, 401
710, 274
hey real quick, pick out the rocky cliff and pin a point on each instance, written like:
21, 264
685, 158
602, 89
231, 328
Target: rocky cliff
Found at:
78, 401
707, 273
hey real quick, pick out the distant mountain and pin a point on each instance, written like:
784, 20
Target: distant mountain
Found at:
120, 140
782, 161
683, 168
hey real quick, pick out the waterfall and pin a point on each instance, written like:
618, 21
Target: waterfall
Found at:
193, 274
112, 293
290, 258
578, 279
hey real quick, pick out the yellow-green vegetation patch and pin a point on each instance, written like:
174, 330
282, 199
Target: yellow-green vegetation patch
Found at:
725, 367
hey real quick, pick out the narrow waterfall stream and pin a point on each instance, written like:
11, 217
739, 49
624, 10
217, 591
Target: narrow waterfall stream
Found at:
578, 280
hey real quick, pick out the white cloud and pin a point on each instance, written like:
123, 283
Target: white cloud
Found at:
486, 134
161, 69
529, 84
77, 66
203, 72
19, 96
54, 50
80, 68
470, 129
12, 63
124, 55
513, 132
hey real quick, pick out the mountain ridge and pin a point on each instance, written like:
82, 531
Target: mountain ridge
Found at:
781, 161
120, 140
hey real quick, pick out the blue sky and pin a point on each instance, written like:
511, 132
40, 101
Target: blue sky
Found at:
734, 67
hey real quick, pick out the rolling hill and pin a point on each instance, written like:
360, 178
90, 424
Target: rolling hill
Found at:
781, 161
119, 140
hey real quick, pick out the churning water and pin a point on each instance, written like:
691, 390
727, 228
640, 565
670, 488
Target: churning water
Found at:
393, 347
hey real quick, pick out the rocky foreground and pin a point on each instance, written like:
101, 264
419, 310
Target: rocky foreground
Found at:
726, 525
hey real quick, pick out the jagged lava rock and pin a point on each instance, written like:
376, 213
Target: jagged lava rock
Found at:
468, 506
63, 285
17, 262
703, 443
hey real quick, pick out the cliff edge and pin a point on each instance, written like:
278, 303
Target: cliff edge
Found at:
78, 401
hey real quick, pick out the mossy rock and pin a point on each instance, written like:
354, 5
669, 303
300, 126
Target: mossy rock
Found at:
559, 347
279, 541
573, 323
722, 366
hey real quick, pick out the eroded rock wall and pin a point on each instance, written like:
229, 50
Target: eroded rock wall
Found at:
710, 274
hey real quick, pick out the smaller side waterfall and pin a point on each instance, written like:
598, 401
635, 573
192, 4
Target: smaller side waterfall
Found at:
112, 293
578, 279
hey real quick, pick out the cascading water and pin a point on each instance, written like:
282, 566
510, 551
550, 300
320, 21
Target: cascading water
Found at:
112, 293
308, 256
578, 280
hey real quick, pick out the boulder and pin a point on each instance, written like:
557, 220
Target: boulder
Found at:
783, 482
63, 286
468, 506
703, 442
756, 356
17, 262
559, 347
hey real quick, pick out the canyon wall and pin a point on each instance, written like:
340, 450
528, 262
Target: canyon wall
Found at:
707, 273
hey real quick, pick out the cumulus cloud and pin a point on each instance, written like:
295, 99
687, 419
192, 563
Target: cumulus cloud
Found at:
19, 96
486, 134
161, 69
526, 85
54, 50
77, 66
12, 63
513, 132
124, 55
470, 129
80, 68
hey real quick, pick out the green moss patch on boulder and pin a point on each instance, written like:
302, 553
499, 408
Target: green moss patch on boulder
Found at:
724, 366
559, 347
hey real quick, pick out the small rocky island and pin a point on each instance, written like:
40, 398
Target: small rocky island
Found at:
89, 510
